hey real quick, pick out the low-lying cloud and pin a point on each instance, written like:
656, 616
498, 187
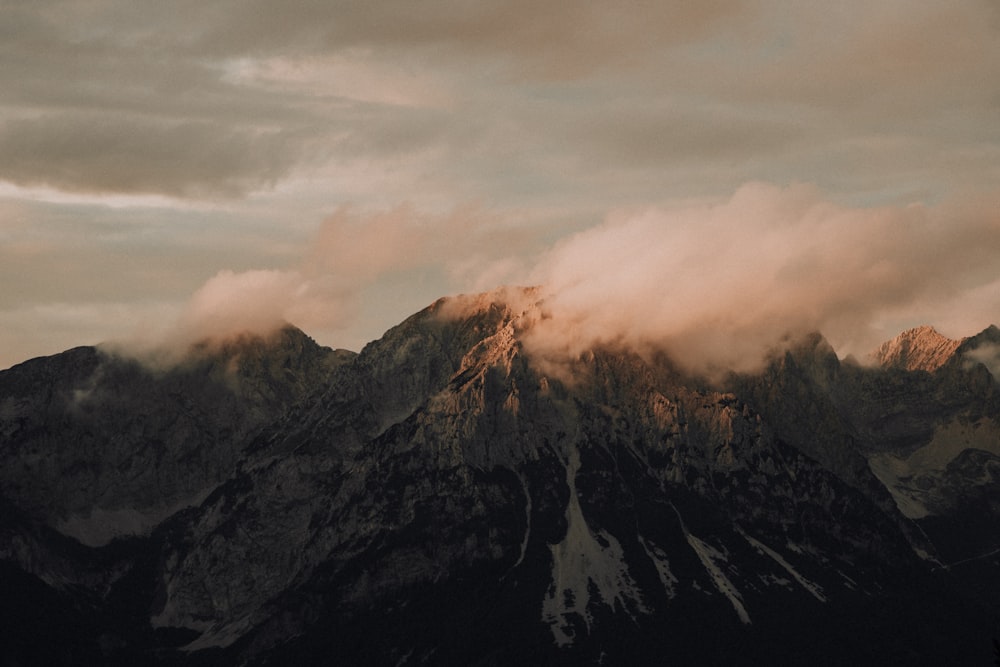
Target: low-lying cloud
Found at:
350, 253
716, 286
989, 356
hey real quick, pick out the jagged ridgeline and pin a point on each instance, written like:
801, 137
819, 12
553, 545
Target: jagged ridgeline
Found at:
448, 496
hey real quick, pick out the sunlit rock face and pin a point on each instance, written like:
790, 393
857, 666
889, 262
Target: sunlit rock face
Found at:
921, 348
448, 497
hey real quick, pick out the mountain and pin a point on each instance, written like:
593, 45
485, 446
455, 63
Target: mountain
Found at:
444, 497
922, 348
98, 445
928, 435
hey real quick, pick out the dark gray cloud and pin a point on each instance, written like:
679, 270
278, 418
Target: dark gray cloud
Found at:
112, 153
552, 39
104, 96
224, 98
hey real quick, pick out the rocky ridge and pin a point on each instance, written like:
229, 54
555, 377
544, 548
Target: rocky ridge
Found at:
438, 498
100, 445
922, 348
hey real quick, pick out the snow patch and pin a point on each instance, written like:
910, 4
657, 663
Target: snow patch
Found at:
773, 579
582, 563
948, 442
814, 589
220, 636
659, 558
891, 470
850, 583
952, 439
527, 521
710, 557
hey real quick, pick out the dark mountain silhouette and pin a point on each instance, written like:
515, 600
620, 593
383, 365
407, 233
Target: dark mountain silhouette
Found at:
439, 499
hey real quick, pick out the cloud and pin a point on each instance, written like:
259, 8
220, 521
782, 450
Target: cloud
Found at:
350, 253
505, 101
988, 355
251, 301
223, 99
540, 40
365, 245
234, 303
116, 153
717, 286
714, 284
49, 328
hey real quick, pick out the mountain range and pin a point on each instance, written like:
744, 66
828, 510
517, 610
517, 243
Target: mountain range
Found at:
445, 496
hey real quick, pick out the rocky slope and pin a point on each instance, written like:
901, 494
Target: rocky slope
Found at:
439, 499
922, 348
100, 445
926, 425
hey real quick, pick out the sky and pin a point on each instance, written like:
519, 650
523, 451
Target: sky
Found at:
714, 173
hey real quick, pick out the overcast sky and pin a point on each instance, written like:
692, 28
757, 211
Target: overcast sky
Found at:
190, 165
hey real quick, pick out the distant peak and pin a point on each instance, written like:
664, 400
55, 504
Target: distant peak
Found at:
983, 347
989, 335
921, 348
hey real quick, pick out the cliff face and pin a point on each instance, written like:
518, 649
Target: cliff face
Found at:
439, 498
919, 349
99, 445
925, 421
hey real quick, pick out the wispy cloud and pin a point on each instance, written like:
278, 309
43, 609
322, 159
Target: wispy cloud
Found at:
987, 355
223, 99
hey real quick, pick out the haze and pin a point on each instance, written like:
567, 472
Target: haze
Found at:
713, 174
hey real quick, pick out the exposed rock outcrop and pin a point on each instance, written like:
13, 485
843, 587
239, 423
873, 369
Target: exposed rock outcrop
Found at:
446, 497
100, 445
922, 348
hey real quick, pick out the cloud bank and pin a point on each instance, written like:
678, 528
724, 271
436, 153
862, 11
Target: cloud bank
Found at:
716, 286
224, 99
325, 290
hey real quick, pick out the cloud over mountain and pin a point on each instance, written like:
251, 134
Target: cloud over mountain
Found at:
717, 285
324, 289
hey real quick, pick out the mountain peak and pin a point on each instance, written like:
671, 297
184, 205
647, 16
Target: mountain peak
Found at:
988, 337
448, 489
920, 348
514, 299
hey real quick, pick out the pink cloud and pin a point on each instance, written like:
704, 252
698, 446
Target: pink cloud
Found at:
717, 285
